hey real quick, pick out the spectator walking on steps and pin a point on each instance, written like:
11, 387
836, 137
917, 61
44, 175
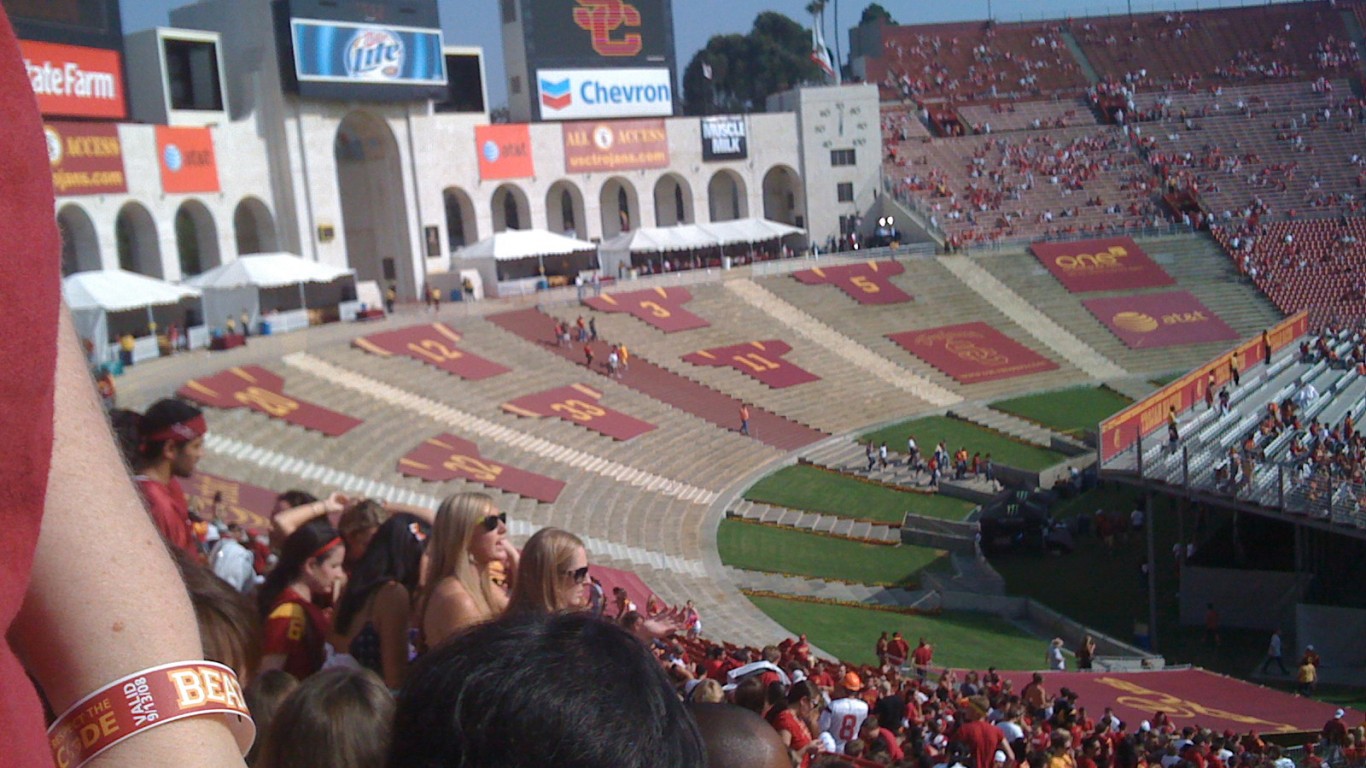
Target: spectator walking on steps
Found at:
744, 418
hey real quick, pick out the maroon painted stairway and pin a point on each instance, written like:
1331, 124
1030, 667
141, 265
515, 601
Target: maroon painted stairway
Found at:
664, 385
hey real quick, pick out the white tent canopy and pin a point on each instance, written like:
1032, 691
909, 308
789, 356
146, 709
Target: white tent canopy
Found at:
114, 290
616, 252
523, 244
267, 270
236, 288
93, 296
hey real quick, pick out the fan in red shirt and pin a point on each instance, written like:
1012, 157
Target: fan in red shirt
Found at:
296, 630
922, 657
171, 441
981, 737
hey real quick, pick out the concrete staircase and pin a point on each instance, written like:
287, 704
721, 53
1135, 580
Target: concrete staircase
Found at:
834, 591
814, 522
1051, 334
1016, 427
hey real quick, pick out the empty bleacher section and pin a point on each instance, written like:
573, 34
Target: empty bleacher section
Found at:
1185, 49
1026, 115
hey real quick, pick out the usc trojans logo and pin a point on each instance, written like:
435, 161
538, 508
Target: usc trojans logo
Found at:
602, 18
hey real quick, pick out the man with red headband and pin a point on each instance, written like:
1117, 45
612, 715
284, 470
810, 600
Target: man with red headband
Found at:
171, 435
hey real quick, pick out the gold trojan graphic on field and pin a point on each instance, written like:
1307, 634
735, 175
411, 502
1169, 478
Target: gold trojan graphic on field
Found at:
1138, 322
966, 348
1081, 262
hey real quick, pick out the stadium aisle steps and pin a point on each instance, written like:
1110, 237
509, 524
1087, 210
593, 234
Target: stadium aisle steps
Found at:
812, 521
841, 345
716, 407
835, 591
1016, 427
1054, 336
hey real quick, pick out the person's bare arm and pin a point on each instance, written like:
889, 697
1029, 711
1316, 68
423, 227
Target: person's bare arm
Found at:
292, 519
426, 514
392, 616
105, 600
449, 610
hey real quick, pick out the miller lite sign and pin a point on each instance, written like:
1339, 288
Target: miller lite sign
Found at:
370, 54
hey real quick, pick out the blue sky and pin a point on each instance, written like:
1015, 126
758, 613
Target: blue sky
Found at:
475, 22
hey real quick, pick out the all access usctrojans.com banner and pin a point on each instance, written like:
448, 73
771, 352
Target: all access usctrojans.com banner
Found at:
86, 158
1108, 264
619, 145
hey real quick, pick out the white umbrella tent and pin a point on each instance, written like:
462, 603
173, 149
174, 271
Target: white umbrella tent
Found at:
281, 285
106, 304
706, 243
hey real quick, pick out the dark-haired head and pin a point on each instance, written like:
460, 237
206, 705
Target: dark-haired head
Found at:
291, 499
531, 690
170, 435
394, 554
314, 542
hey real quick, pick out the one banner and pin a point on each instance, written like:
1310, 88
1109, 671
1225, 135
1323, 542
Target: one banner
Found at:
87, 158
374, 54
434, 345
1109, 264
973, 352
621, 145
587, 94
447, 457
187, 160
580, 404
1160, 320
244, 504
658, 307
504, 152
869, 282
762, 360
254, 387
725, 138
75, 81
1121, 431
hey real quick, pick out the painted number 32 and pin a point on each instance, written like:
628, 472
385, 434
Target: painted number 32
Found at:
477, 469
272, 403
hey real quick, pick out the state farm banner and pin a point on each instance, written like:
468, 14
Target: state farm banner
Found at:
187, 159
504, 152
86, 158
618, 145
1108, 264
75, 81
1153, 320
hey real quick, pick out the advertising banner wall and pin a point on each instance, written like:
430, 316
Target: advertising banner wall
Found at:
187, 159
373, 54
504, 152
725, 138
73, 81
87, 158
1109, 264
576, 94
599, 32
1121, 431
1153, 320
621, 145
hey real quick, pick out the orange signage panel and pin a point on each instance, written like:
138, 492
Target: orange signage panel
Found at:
504, 152
187, 159
615, 145
75, 81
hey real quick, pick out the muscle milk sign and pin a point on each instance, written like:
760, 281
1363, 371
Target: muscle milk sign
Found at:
724, 138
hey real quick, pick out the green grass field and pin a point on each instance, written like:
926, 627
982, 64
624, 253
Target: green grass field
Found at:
956, 433
778, 550
960, 639
1070, 411
817, 490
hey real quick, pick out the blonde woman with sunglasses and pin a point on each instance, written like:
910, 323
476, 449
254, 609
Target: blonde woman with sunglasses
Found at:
467, 551
552, 575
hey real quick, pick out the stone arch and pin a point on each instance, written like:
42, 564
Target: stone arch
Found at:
511, 208
620, 207
783, 198
462, 225
564, 209
135, 231
253, 227
727, 196
374, 212
673, 201
196, 239
80, 243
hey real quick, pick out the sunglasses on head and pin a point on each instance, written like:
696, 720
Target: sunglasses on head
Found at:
579, 575
491, 522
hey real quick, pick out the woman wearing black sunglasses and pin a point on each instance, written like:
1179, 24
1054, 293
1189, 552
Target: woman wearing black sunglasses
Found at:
467, 553
552, 574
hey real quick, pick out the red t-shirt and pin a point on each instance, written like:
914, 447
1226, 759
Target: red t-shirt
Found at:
170, 511
788, 721
982, 738
923, 655
296, 628
30, 258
